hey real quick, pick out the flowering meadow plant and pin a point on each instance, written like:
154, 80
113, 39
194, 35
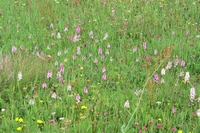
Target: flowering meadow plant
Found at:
102, 66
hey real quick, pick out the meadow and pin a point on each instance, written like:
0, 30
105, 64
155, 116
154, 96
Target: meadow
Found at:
100, 66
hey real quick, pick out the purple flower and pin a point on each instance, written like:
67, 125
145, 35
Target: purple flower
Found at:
174, 110
78, 98
103, 69
14, 49
86, 90
91, 34
100, 51
83, 58
51, 25
62, 69
78, 29
102, 57
104, 77
44, 85
69, 87
155, 77
169, 65
134, 48
173, 129
49, 74
182, 63
144, 45
52, 121
187, 32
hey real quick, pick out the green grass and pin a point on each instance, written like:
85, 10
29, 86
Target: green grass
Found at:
170, 27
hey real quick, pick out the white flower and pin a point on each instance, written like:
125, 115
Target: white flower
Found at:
187, 77
53, 95
158, 102
127, 104
163, 71
198, 112
58, 36
2, 110
19, 76
31, 102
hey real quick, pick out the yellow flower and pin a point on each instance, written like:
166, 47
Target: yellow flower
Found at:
83, 107
98, 83
17, 119
160, 119
40, 122
81, 114
19, 128
175, 85
180, 131
41, 101
81, 68
21, 120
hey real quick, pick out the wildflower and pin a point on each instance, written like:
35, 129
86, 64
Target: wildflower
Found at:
158, 102
159, 119
51, 25
54, 95
134, 48
91, 34
180, 131
100, 51
74, 57
144, 128
127, 104
19, 128
162, 81
103, 69
83, 58
155, 52
14, 49
83, 107
150, 122
3, 109
144, 45
66, 29
40, 122
61, 118
81, 68
19, 76
44, 85
102, 57
173, 32
198, 112
86, 90
187, 32
105, 36
69, 87
78, 98
108, 45
21, 120
192, 94
107, 52
52, 121
187, 77
174, 110
182, 63
136, 123
78, 29
159, 125
17, 119
58, 35
104, 77
49, 74
155, 77
140, 131
169, 65
163, 71
62, 69
59, 53
78, 50
173, 129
